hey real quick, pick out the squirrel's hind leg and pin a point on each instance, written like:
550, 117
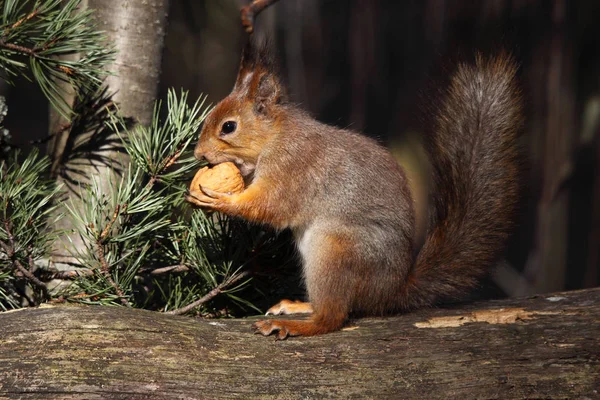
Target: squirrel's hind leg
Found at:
330, 276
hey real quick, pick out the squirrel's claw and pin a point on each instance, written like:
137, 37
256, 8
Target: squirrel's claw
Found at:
213, 194
200, 199
268, 327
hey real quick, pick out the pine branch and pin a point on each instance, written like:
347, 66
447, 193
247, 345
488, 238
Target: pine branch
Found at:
167, 164
43, 36
212, 294
154, 247
105, 268
10, 251
25, 235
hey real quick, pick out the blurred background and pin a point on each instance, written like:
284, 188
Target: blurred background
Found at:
369, 65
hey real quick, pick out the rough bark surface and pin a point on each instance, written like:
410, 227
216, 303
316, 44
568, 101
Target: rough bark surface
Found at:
540, 347
137, 28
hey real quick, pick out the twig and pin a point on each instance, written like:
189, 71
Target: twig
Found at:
32, 278
153, 179
46, 45
251, 11
16, 47
171, 268
22, 20
71, 274
107, 228
7, 249
10, 251
168, 162
105, 270
32, 266
210, 295
171, 160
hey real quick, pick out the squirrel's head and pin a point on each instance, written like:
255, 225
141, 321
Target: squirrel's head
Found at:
239, 127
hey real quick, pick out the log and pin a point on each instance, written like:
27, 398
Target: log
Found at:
539, 347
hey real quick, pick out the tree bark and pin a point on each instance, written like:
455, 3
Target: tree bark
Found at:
137, 28
539, 347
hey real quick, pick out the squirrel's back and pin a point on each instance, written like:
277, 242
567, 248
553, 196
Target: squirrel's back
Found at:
345, 174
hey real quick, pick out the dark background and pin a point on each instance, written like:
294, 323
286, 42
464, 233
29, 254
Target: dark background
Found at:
369, 64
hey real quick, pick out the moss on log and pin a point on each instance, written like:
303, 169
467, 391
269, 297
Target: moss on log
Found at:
540, 347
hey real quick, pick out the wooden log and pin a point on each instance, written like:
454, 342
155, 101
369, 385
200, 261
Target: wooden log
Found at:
539, 347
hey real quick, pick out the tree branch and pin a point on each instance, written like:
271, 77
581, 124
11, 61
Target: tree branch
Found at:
32, 278
543, 347
251, 11
10, 251
171, 268
210, 295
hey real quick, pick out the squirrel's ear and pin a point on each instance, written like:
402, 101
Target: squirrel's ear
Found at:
257, 78
268, 92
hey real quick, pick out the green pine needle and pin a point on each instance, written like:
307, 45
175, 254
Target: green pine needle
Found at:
36, 38
26, 234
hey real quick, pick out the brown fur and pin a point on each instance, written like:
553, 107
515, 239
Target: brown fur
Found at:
348, 202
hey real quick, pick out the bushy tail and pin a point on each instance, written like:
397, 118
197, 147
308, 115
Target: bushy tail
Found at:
476, 170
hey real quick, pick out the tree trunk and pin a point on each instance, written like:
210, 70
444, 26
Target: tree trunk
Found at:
548, 262
539, 347
136, 29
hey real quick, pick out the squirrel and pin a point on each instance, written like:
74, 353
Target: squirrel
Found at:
349, 204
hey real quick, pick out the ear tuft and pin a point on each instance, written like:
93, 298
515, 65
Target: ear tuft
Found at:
255, 58
258, 78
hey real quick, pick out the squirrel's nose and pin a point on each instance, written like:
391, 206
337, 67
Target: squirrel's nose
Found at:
200, 157
199, 153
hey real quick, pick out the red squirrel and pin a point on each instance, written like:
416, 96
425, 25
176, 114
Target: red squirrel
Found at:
348, 202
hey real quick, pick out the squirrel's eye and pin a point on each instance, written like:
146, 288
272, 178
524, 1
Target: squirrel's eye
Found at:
228, 127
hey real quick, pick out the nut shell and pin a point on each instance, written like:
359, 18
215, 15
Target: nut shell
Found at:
222, 178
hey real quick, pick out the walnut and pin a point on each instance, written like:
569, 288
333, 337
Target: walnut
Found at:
222, 178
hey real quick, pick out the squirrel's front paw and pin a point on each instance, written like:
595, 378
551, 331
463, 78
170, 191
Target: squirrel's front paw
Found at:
268, 327
200, 199
206, 198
